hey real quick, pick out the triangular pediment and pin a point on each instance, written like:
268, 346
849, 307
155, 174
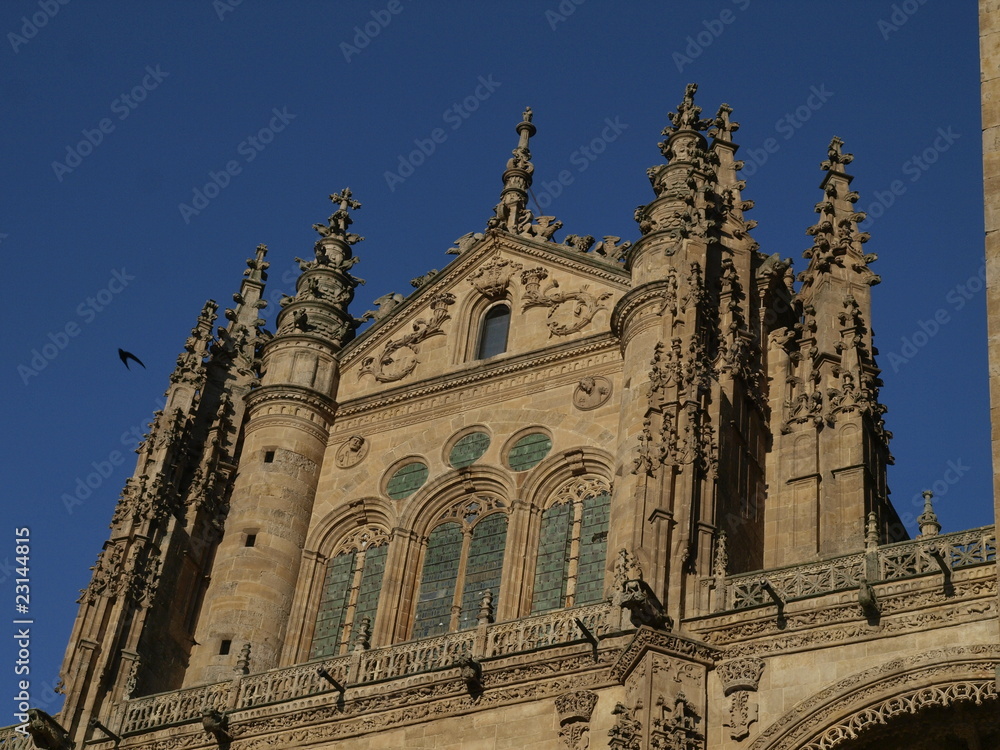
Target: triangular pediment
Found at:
556, 294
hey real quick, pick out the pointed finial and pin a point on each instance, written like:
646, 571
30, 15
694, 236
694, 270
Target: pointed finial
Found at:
835, 157
511, 213
257, 266
362, 638
340, 220
486, 608
871, 533
687, 115
724, 127
243, 663
928, 520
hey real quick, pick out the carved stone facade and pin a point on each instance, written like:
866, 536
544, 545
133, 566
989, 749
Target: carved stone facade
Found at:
653, 516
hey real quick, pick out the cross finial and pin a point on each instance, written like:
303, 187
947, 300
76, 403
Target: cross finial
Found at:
835, 157
345, 200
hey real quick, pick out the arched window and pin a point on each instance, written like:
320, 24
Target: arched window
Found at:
572, 547
450, 594
350, 591
493, 333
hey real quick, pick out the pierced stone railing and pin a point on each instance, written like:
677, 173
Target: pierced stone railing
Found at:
424, 655
547, 629
292, 682
389, 662
11, 739
961, 549
176, 707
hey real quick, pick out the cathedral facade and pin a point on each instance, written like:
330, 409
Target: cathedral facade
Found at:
568, 493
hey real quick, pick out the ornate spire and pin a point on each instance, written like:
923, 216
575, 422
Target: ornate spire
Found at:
340, 220
928, 520
837, 240
511, 212
240, 338
687, 115
326, 287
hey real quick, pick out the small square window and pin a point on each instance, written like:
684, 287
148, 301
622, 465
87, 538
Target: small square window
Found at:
224, 647
269, 457
251, 540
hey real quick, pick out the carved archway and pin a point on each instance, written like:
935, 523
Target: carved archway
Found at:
901, 699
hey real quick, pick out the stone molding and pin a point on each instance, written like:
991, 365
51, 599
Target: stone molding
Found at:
414, 402
913, 610
647, 639
842, 711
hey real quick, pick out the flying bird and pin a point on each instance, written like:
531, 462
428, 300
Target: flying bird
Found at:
126, 356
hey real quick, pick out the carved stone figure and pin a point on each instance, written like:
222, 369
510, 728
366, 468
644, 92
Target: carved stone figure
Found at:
591, 392
352, 452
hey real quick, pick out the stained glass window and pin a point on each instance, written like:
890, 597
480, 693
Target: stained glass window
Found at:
406, 481
469, 449
350, 594
529, 451
572, 549
493, 334
450, 596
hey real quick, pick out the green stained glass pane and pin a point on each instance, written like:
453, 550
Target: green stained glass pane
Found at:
553, 557
333, 605
371, 583
407, 480
593, 549
469, 449
529, 451
489, 537
438, 580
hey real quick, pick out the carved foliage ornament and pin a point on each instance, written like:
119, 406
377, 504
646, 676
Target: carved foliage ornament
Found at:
740, 678
575, 710
492, 279
399, 357
569, 312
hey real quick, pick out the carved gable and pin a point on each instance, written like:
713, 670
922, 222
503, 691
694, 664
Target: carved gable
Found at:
555, 294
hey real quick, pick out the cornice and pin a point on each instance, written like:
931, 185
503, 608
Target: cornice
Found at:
414, 397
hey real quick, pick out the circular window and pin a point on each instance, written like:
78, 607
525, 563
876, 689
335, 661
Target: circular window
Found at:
529, 451
406, 481
468, 450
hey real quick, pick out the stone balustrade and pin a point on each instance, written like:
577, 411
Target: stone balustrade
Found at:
11, 739
939, 554
363, 666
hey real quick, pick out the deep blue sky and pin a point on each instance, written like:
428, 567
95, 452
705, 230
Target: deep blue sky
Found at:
888, 89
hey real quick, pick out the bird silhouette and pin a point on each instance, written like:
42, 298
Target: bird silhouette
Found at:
126, 356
